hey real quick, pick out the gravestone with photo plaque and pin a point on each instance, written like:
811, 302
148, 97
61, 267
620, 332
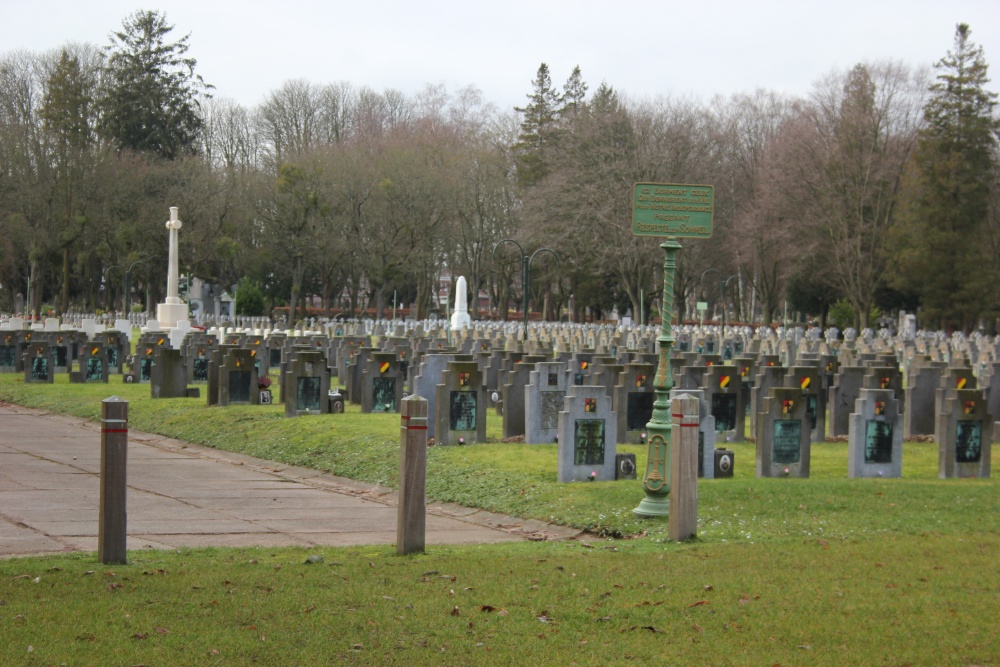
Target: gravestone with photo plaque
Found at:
875, 438
633, 401
306, 383
93, 362
381, 382
783, 443
723, 389
8, 352
588, 436
461, 405
237, 375
543, 401
39, 362
964, 435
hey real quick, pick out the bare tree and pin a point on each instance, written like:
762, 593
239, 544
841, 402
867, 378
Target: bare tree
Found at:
844, 167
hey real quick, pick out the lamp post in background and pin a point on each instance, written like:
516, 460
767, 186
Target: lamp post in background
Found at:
525, 274
128, 274
723, 284
104, 280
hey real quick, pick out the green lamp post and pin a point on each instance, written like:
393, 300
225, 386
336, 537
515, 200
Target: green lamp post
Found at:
673, 211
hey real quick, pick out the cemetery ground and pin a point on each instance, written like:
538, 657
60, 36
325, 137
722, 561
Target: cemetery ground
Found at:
819, 571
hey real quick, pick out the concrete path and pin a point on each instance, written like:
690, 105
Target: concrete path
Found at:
183, 495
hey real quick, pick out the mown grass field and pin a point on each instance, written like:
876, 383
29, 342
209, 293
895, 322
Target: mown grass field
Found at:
820, 571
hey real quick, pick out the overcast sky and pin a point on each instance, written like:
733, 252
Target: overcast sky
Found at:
696, 48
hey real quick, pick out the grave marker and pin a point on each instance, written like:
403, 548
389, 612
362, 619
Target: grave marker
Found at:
783, 443
875, 438
587, 436
964, 435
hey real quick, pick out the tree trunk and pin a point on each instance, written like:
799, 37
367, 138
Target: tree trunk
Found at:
297, 272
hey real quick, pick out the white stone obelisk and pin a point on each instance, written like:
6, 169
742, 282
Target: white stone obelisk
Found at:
174, 310
460, 317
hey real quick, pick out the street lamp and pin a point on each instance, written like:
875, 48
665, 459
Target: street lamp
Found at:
723, 284
525, 274
128, 274
104, 279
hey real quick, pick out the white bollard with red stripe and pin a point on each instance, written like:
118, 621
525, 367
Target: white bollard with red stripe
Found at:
411, 517
683, 522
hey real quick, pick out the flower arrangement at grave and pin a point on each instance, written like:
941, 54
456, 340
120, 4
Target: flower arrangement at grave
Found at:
263, 382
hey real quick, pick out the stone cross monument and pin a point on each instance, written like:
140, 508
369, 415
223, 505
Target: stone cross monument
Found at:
174, 310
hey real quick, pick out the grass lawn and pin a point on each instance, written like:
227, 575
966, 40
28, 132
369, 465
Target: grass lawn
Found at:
820, 571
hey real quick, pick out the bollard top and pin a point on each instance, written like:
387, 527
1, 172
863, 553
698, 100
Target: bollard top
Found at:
114, 399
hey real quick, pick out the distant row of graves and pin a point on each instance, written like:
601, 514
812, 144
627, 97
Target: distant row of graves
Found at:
586, 389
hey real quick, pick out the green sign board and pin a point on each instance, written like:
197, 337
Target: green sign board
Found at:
663, 209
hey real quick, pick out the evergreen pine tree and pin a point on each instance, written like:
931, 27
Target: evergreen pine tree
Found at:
574, 94
152, 99
537, 126
941, 244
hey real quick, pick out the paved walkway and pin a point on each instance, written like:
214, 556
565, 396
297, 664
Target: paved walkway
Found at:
183, 495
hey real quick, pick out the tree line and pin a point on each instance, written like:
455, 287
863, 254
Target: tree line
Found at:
876, 191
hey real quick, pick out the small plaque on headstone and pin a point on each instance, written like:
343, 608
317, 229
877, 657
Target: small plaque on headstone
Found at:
724, 411
308, 394
968, 441
552, 404
878, 441
588, 442
239, 386
625, 466
95, 369
383, 394
724, 460
462, 415
787, 442
40, 369
640, 410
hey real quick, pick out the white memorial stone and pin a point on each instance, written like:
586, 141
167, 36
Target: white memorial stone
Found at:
460, 319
